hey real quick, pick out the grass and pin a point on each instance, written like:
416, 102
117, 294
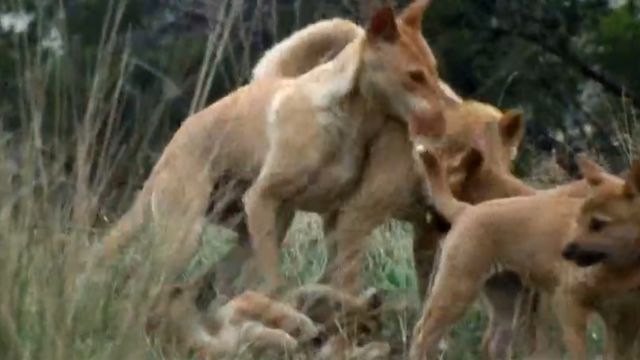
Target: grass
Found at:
54, 303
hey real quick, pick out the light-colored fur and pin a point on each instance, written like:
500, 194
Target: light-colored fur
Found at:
285, 144
527, 235
315, 319
609, 233
249, 322
307, 48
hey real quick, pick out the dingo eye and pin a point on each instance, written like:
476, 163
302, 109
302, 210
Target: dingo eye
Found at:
596, 224
418, 76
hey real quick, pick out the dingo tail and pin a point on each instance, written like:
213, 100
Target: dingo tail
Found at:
307, 48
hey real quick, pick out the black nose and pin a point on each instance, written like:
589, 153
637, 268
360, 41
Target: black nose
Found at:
582, 257
570, 251
588, 258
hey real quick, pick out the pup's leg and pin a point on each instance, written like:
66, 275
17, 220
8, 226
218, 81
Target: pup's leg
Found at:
262, 208
458, 281
622, 331
387, 186
236, 270
426, 238
502, 294
350, 235
285, 317
272, 313
262, 337
573, 318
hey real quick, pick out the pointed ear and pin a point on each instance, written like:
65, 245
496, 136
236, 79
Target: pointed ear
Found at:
512, 128
632, 184
383, 26
412, 15
592, 172
429, 159
374, 298
471, 162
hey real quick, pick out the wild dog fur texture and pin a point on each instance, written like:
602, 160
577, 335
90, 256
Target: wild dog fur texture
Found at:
286, 144
503, 231
315, 320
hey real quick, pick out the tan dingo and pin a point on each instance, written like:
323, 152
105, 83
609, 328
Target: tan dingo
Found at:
527, 235
289, 143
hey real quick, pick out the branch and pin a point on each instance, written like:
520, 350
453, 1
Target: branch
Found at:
610, 84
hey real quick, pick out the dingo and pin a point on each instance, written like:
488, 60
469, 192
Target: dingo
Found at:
286, 144
526, 235
319, 317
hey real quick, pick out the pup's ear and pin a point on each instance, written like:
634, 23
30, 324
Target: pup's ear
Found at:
429, 159
383, 26
373, 298
412, 15
472, 162
590, 171
632, 184
512, 128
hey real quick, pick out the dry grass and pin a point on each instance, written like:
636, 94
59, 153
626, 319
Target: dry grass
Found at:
54, 302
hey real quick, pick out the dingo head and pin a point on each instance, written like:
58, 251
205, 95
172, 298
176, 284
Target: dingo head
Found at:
484, 172
179, 306
399, 70
609, 221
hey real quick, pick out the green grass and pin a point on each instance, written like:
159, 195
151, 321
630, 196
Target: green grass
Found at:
53, 306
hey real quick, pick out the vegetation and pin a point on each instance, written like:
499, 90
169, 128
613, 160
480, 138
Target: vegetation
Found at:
92, 90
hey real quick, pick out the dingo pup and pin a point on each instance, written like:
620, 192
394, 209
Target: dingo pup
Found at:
325, 320
609, 233
179, 319
526, 235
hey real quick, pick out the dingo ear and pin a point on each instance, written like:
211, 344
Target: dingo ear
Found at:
590, 171
383, 26
471, 162
373, 298
632, 184
512, 128
412, 15
429, 160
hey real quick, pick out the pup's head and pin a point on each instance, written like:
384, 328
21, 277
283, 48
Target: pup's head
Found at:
484, 171
339, 312
178, 307
609, 221
399, 70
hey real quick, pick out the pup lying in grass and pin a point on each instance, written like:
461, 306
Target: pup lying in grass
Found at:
179, 320
526, 235
322, 321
